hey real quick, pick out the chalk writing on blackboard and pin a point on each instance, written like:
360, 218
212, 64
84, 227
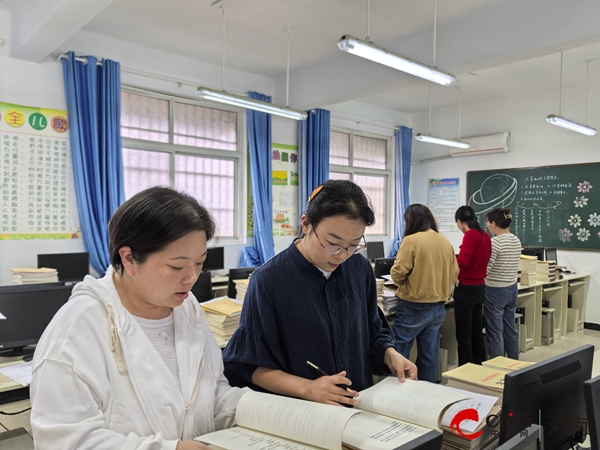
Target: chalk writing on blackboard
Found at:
551, 206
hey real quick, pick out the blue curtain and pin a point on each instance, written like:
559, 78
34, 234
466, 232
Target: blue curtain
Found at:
403, 153
94, 106
313, 154
259, 142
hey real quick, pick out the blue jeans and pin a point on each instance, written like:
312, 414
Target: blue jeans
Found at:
420, 321
500, 304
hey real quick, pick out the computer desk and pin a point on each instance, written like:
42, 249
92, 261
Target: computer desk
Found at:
11, 399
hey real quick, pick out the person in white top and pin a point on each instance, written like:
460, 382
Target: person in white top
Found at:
129, 362
501, 294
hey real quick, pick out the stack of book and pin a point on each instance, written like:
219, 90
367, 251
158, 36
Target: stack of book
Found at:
241, 286
476, 378
546, 271
527, 269
507, 364
22, 275
223, 317
487, 440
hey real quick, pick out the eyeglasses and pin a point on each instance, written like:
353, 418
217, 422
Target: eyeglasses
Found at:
335, 249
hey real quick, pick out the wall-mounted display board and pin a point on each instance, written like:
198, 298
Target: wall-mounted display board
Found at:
37, 197
553, 206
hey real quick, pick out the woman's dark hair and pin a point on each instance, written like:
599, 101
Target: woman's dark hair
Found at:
339, 198
152, 219
467, 214
500, 216
418, 218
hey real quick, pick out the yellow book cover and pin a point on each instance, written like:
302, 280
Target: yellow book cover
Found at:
487, 377
503, 363
223, 305
44, 270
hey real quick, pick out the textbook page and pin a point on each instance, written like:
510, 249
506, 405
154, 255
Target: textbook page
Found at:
238, 438
311, 423
419, 402
374, 432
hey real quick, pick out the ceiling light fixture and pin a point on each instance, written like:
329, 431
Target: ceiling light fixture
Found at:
428, 137
366, 49
566, 123
246, 102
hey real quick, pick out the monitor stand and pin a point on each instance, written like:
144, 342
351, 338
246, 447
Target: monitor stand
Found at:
25, 352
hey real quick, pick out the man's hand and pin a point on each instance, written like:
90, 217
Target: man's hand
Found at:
325, 390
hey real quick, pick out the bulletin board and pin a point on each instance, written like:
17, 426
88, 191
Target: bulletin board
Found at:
551, 206
36, 178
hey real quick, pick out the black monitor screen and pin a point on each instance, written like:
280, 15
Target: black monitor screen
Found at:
550, 254
553, 389
26, 311
215, 259
70, 266
375, 250
591, 389
534, 251
383, 266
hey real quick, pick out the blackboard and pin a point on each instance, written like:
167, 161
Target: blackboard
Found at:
552, 206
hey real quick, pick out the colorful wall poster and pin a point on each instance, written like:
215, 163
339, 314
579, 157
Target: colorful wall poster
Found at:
36, 178
443, 199
285, 190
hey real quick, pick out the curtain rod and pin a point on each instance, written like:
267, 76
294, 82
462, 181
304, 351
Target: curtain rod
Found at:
180, 83
367, 122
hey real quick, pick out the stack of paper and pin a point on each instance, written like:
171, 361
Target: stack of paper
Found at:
486, 437
476, 378
241, 286
386, 296
528, 269
546, 271
23, 275
223, 317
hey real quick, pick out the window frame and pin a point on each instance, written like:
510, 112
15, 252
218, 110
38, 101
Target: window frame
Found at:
238, 156
387, 174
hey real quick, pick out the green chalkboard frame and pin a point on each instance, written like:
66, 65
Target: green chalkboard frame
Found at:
552, 206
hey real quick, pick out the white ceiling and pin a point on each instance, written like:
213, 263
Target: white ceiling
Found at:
494, 47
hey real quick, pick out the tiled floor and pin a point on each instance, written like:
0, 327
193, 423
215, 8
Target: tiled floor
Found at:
573, 340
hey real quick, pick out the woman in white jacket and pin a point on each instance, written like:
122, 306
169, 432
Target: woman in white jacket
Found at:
129, 362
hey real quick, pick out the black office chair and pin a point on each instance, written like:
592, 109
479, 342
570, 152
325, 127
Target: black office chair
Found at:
240, 273
202, 289
383, 266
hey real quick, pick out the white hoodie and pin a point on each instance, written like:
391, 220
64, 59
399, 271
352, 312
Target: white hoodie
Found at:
98, 383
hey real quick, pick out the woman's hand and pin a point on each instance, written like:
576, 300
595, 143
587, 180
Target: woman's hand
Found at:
191, 445
399, 365
325, 390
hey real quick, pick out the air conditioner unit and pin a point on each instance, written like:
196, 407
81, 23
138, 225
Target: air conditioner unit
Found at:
483, 145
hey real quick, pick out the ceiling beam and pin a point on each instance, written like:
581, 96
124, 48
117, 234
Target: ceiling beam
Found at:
38, 27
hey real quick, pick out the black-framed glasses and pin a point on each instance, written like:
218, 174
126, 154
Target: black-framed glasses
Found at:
335, 249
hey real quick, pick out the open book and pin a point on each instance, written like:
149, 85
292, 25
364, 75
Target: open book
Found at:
390, 415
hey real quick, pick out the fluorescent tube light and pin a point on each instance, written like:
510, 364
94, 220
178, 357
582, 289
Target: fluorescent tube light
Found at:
441, 141
570, 125
370, 51
250, 103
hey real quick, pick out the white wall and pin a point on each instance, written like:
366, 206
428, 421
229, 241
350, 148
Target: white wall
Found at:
533, 142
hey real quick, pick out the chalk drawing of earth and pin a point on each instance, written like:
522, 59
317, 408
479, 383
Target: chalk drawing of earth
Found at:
496, 191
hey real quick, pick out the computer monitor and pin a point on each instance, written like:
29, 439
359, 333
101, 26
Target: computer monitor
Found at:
26, 311
553, 390
550, 254
591, 390
375, 250
534, 251
383, 266
238, 273
215, 259
71, 266
202, 289
527, 439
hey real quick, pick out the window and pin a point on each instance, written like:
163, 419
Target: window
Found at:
185, 144
366, 160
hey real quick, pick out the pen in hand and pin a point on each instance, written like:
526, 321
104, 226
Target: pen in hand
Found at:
323, 373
